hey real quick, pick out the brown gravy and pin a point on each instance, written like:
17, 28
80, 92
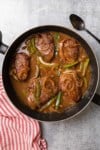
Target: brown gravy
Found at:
22, 86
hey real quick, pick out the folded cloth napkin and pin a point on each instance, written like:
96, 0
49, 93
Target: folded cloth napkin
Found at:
17, 131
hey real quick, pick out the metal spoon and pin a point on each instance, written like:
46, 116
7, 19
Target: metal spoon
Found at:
79, 24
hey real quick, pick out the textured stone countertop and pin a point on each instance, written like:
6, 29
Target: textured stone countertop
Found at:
17, 16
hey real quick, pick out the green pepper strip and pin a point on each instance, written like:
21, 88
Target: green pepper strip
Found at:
48, 104
38, 91
31, 46
85, 82
58, 100
85, 67
81, 66
70, 65
56, 39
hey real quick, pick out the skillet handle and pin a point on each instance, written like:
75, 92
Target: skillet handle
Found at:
96, 99
3, 47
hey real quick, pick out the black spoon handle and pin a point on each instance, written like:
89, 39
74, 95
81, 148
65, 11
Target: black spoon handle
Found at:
96, 99
98, 40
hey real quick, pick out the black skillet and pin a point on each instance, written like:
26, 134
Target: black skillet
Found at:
68, 113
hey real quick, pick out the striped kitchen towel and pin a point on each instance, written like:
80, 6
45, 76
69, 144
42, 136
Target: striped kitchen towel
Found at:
17, 131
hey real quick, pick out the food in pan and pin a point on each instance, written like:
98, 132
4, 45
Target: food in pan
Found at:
20, 66
50, 72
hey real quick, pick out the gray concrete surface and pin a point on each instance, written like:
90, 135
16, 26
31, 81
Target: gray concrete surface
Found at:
17, 16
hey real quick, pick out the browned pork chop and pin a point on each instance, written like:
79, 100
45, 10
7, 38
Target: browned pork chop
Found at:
69, 50
45, 44
40, 90
21, 67
71, 85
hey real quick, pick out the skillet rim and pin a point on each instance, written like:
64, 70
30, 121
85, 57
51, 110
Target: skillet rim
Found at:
74, 34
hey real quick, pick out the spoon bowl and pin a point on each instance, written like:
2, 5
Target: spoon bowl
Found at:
77, 22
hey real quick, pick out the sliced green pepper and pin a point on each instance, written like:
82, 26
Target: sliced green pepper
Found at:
38, 91
70, 65
47, 104
81, 66
56, 40
85, 67
31, 46
58, 100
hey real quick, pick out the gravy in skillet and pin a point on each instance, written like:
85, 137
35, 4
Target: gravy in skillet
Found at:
50, 72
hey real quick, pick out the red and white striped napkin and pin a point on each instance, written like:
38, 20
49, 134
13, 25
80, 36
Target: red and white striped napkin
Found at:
17, 131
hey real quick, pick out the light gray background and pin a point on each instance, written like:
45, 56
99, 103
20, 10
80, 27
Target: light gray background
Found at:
17, 16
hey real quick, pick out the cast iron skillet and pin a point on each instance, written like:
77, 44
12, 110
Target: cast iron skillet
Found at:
68, 113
